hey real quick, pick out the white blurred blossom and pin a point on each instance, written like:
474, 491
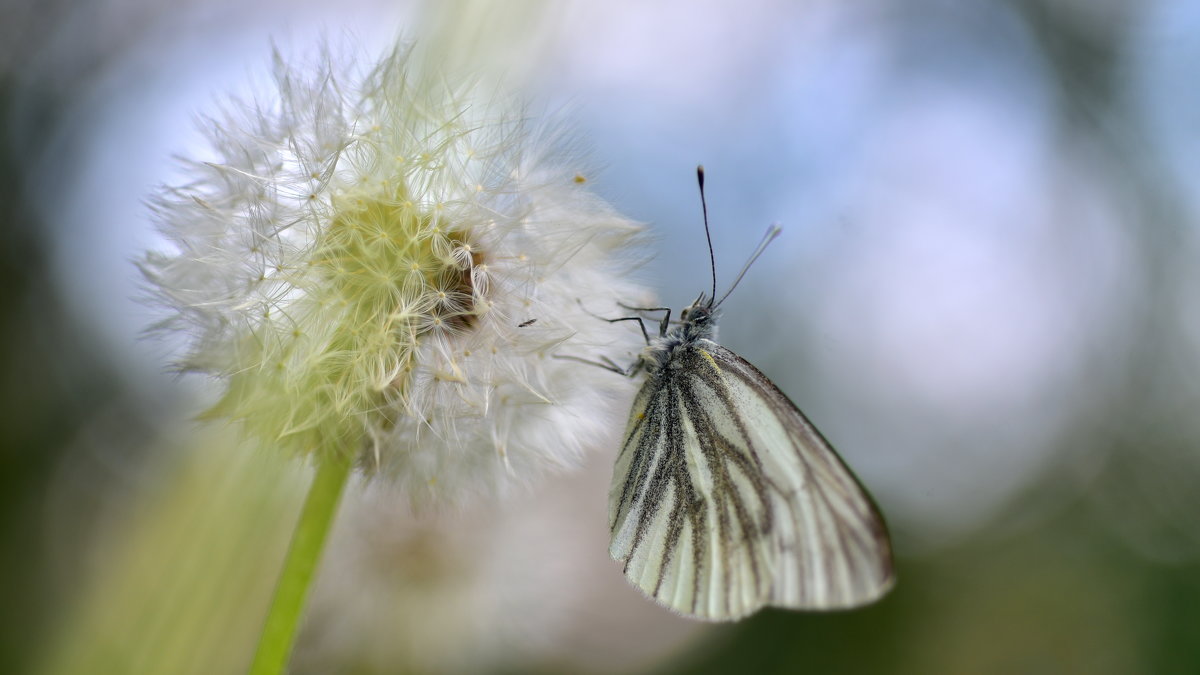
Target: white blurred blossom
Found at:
525, 586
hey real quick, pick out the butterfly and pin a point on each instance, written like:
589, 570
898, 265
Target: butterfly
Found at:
725, 498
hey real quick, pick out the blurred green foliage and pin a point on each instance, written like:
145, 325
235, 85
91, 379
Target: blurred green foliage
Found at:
1059, 597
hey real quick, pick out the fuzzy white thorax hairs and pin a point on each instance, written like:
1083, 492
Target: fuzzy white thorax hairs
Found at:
360, 266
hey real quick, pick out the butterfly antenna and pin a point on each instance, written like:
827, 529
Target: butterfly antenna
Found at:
772, 232
712, 258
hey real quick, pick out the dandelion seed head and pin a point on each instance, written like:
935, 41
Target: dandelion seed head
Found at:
354, 266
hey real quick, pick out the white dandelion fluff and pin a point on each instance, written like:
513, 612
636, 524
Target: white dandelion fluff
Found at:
360, 266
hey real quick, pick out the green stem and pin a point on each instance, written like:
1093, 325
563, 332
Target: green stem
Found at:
303, 554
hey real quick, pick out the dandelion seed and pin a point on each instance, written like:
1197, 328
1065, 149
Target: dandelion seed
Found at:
354, 267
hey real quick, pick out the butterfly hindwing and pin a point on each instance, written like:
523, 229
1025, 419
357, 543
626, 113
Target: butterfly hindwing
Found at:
725, 498
836, 544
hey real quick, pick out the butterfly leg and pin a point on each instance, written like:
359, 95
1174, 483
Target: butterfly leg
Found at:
662, 326
662, 329
605, 363
641, 324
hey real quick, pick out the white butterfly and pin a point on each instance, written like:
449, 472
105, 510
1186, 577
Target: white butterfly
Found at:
725, 498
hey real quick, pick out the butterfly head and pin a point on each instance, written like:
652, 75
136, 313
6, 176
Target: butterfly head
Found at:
697, 321
699, 318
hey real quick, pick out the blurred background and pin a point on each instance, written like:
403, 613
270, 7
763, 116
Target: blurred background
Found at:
985, 295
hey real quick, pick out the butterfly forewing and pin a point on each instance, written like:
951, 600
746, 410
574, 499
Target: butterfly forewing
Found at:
688, 524
725, 498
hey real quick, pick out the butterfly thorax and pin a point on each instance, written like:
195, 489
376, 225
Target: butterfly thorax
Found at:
696, 322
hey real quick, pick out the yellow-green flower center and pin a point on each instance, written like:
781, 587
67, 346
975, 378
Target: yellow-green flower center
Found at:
384, 272
400, 264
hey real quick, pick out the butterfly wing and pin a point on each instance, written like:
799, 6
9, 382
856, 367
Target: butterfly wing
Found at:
725, 498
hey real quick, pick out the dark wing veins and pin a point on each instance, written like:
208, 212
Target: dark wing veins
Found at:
835, 485
737, 523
